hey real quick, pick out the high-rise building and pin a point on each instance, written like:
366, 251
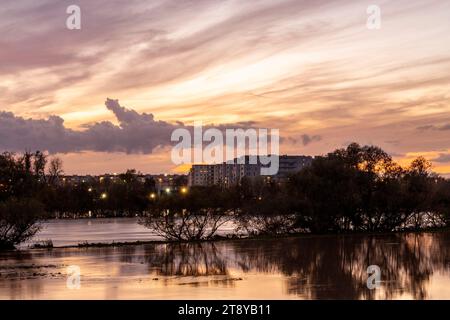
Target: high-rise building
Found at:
201, 175
231, 173
292, 164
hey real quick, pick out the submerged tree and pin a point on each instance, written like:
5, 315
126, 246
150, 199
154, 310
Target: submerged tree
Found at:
19, 221
196, 215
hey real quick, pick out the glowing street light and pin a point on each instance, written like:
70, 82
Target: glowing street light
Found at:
152, 196
90, 190
167, 190
184, 190
104, 195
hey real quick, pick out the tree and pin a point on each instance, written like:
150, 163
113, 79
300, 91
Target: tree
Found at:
19, 221
55, 170
39, 163
196, 215
363, 189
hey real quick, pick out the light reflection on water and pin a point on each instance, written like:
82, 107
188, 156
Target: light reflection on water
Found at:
413, 266
71, 232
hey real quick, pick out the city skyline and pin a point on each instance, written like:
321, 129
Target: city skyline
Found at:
310, 68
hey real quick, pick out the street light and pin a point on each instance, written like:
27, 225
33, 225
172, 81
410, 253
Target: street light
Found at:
184, 190
167, 190
152, 196
104, 195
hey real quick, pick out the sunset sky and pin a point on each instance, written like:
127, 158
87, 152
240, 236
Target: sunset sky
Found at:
309, 68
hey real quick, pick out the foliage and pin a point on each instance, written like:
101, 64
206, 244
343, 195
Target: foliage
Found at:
19, 221
353, 189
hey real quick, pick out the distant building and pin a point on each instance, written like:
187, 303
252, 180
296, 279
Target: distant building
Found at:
202, 175
166, 183
162, 182
229, 174
292, 164
76, 179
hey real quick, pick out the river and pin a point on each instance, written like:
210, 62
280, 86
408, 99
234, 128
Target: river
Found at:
412, 266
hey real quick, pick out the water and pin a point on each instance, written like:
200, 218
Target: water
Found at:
413, 266
104, 230
68, 232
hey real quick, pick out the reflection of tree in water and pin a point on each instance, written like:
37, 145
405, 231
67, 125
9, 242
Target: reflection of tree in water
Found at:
329, 267
335, 267
186, 259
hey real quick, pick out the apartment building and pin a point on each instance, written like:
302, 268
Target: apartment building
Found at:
231, 173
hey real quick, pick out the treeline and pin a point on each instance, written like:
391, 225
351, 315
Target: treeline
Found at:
22, 183
35, 175
356, 189
32, 189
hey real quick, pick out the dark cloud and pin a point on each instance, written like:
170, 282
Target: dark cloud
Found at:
304, 139
307, 139
136, 133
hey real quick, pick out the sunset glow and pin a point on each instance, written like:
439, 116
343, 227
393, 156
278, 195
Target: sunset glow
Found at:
309, 68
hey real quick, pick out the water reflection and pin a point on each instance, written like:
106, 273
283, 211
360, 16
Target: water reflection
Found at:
336, 267
187, 259
412, 265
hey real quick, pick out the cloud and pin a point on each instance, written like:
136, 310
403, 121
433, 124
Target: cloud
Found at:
304, 139
425, 127
443, 127
443, 157
307, 139
306, 67
135, 133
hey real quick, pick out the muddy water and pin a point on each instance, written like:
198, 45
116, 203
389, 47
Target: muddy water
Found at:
413, 266
71, 232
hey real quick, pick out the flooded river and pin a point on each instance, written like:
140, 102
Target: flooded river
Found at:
71, 232
412, 266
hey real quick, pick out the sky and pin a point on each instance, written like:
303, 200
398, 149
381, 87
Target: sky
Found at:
107, 97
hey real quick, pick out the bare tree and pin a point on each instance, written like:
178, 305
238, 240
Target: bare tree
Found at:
201, 225
39, 163
55, 169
